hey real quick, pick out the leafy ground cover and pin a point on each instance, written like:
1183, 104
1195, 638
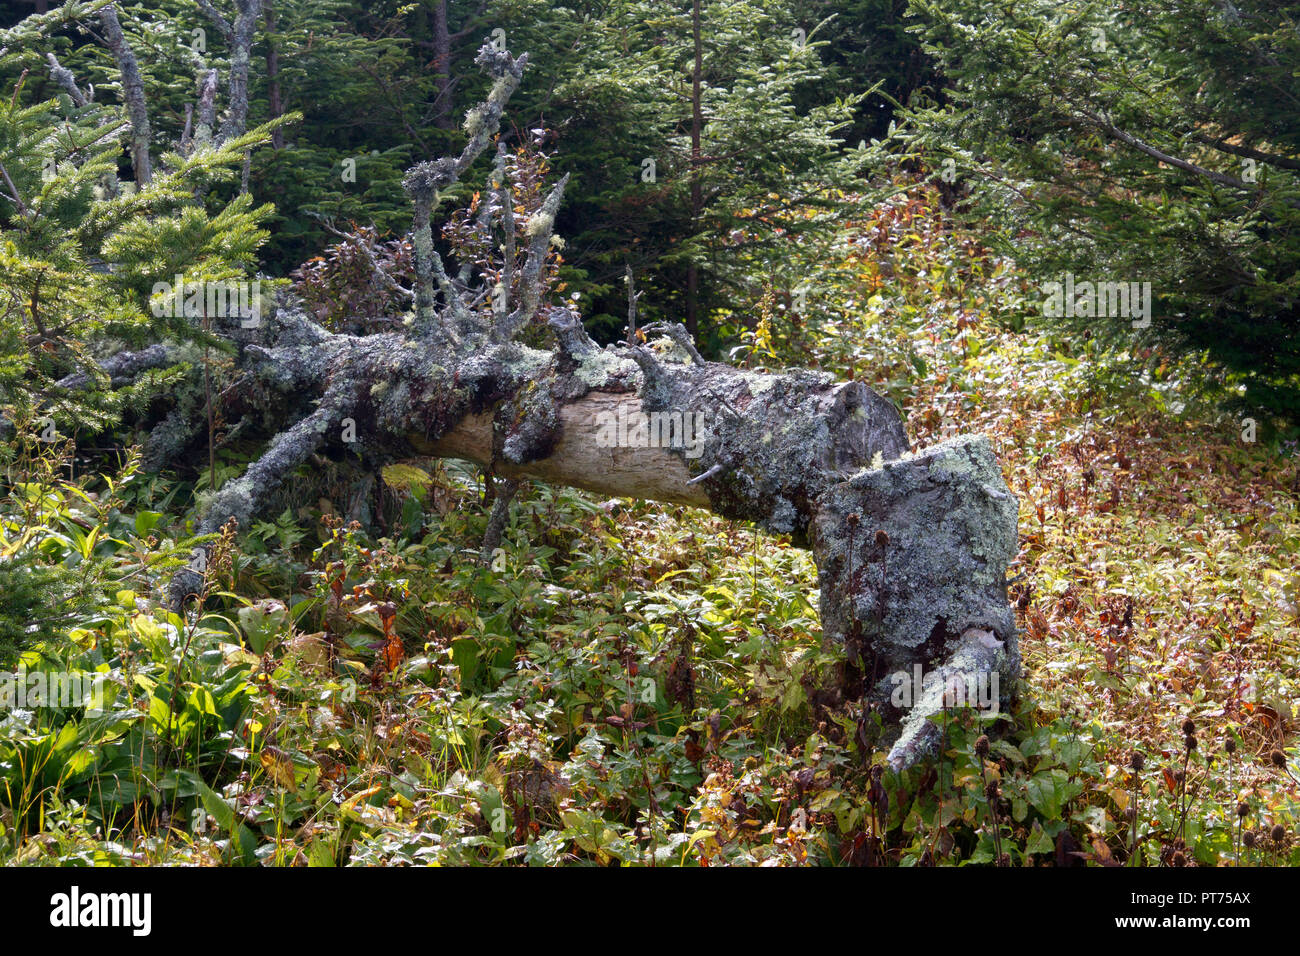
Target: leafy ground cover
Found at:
629, 682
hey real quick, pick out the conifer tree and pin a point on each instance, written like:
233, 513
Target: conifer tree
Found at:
767, 174
84, 249
1139, 142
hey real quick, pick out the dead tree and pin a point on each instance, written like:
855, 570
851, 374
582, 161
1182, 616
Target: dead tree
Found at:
911, 548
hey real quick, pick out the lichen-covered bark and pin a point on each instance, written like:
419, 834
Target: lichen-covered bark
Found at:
774, 443
205, 112
912, 559
911, 548
63, 76
132, 93
241, 45
239, 35
761, 447
122, 367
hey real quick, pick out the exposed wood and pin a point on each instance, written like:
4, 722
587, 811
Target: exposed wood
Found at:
578, 461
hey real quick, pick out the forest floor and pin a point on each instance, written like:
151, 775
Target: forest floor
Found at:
643, 683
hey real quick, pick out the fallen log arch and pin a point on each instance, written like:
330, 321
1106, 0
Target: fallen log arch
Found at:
911, 547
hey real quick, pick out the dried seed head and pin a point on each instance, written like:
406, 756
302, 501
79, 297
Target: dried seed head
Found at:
1242, 810
1189, 742
882, 538
982, 745
1248, 838
1138, 760
1230, 745
1278, 833
1278, 758
991, 791
1180, 858
1189, 726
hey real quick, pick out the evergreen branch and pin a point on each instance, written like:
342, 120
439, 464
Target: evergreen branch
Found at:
1222, 179
30, 29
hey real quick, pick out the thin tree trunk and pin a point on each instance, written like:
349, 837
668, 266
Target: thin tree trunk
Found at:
241, 43
697, 191
273, 75
445, 103
132, 93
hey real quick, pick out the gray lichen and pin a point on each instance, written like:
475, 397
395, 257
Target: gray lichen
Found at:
775, 443
911, 549
912, 556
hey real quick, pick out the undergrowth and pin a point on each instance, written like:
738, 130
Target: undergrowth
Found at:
635, 683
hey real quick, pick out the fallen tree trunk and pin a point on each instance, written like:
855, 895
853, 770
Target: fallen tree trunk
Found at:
911, 549
911, 554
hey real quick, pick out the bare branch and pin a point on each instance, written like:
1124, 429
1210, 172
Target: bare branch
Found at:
383, 276
570, 334
1216, 177
425, 182
1271, 159
632, 296
713, 472
484, 221
496, 526
540, 228
63, 76
132, 93
13, 196
680, 336
220, 22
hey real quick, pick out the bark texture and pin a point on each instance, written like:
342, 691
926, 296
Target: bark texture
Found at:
911, 547
912, 560
132, 94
